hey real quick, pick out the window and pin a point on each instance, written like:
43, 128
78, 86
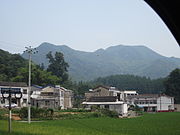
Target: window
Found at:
24, 100
62, 94
154, 102
118, 95
2, 101
56, 103
106, 106
46, 102
24, 91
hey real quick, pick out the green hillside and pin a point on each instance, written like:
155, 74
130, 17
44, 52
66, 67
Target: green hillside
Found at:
120, 59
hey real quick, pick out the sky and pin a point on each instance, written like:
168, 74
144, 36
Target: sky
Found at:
85, 25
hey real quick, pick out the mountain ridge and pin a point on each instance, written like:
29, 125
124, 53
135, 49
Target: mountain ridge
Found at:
119, 59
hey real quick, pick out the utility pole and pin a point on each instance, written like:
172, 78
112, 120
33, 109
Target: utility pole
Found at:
10, 114
30, 51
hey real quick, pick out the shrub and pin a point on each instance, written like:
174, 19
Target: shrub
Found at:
15, 110
23, 113
94, 108
109, 113
36, 112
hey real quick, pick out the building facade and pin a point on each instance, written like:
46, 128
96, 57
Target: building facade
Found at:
14, 86
52, 97
108, 97
49, 97
153, 102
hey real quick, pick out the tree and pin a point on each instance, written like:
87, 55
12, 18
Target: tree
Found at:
9, 65
58, 66
39, 76
172, 85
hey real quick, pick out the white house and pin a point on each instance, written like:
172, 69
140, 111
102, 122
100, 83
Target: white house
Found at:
15, 86
153, 102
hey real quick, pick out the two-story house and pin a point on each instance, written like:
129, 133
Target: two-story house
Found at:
52, 97
108, 97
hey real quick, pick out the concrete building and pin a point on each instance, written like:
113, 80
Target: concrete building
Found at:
14, 86
153, 102
48, 97
52, 97
108, 97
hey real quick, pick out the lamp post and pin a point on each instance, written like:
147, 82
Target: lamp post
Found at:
30, 51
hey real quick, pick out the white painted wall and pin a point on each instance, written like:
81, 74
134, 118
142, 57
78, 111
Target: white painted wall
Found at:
165, 103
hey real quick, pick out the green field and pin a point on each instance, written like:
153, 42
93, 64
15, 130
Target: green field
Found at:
148, 124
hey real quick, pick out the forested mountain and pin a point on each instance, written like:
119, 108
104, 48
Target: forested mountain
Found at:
121, 59
131, 82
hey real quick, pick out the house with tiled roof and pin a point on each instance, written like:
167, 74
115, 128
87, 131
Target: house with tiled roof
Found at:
53, 97
108, 97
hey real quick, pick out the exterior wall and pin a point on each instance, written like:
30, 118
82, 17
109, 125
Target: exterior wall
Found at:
121, 109
101, 92
162, 103
177, 107
88, 95
165, 103
117, 108
61, 99
126, 94
53, 98
51, 103
67, 99
124, 109
20, 102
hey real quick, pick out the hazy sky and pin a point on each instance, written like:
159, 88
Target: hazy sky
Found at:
85, 25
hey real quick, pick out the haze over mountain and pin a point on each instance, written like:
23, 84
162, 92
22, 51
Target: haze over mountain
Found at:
120, 59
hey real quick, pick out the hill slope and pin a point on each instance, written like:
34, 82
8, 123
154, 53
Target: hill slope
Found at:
137, 60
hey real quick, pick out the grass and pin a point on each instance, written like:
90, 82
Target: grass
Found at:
148, 124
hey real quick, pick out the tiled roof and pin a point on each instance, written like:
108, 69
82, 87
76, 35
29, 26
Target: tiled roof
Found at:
13, 84
102, 99
106, 87
48, 89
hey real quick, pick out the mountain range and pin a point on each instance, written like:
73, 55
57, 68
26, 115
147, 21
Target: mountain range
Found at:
120, 59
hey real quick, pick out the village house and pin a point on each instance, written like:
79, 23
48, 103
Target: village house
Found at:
120, 100
14, 86
108, 97
48, 97
52, 97
153, 102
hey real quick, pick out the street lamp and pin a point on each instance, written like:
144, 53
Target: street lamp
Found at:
7, 93
30, 51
